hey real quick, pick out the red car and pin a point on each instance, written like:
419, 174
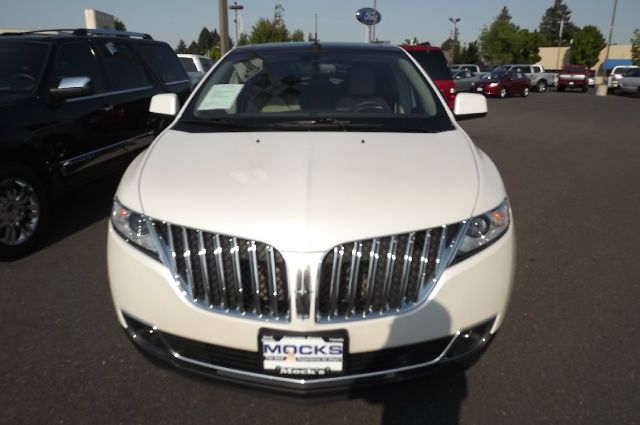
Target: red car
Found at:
502, 83
432, 60
574, 77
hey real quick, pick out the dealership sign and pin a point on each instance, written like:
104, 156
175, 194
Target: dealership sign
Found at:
368, 16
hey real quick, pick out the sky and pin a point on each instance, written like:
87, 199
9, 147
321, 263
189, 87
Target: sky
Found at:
173, 20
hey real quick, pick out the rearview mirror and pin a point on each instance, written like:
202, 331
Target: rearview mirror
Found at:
72, 87
165, 104
469, 105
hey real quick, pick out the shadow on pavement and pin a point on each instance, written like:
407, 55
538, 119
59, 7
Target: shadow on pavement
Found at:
79, 209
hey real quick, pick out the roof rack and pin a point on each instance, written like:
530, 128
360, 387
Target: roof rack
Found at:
84, 31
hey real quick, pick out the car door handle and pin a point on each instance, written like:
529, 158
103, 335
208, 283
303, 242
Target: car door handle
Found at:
107, 108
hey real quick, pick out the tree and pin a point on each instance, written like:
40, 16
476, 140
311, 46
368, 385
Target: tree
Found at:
452, 50
182, 47
501, 39
205, 40
470, 53
119, 25
297, 35
274, 30
586, 47
267, 31
635, 47
243, 39
550, 24
528, 46
193, 48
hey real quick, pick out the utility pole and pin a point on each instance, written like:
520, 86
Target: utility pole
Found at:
224, 26
560, 38
373, 28
455, 37
235, 7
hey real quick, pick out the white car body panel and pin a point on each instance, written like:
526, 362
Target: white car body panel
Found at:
308, 191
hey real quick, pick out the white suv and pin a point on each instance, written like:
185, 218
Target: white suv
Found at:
313, 218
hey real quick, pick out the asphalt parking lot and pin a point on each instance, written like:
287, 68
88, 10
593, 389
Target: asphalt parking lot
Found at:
567, 353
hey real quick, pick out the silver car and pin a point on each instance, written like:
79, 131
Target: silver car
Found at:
630, 83
463, 80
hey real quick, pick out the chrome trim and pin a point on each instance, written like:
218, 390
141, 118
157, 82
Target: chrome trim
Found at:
89, 159
406, 267
109, 93
271, 279
186, 254
255, 279
175, 83
373, 267
235, 255
217, 253
356, 255
303, 293
406, 284
213, 290
202, 253
312, 382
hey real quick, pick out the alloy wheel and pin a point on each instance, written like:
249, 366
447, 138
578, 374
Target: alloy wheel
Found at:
19, 211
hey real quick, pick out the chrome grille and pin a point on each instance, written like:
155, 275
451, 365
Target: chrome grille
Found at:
368, 278
224, 273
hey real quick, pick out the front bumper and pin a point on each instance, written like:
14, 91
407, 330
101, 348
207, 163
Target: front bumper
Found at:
162, 322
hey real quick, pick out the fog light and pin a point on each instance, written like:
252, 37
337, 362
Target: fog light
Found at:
471, 339
145, 335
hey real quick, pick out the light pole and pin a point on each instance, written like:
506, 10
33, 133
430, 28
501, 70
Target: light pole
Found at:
235, 7
455, 37
373, 28
613, 21
224, 26
560, 37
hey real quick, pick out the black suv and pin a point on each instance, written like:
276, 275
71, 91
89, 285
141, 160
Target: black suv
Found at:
73, 107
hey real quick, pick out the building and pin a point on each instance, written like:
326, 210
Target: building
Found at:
553, 58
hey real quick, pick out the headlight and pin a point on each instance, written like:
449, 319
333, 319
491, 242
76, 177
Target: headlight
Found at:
134, 228
483, 230
493, 85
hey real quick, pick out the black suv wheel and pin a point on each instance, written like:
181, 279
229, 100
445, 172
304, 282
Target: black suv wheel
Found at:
24, 210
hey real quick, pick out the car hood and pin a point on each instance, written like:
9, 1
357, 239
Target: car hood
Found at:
309, 191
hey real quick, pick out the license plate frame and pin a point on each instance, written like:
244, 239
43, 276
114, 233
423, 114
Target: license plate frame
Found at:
305, 364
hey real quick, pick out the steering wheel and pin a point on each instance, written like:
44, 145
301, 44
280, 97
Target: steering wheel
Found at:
23, 76
370, 106
22, 81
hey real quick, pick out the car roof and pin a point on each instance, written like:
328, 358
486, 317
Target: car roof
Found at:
419, 47
52, 35
333, 46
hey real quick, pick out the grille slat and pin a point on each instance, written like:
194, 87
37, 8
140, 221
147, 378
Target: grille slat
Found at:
189, 267
225, 273
202, 254
394, 274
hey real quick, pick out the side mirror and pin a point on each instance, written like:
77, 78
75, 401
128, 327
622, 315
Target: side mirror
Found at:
72, 87
165, 104
470, 105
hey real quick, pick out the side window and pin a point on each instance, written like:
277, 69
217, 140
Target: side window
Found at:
467, 74
536, 69
77, 60
123, 70
163, 61
188, 64
207, 64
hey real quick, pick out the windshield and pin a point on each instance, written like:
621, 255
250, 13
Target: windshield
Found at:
21, 66
497, 75
574, 70
339, 89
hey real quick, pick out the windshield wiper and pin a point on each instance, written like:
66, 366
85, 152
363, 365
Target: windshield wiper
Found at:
322, 123
220, 123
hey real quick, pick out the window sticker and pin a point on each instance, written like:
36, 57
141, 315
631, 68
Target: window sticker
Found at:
249, 68
220, 96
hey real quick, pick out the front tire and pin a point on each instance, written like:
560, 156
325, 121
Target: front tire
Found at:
541, 86
24, 210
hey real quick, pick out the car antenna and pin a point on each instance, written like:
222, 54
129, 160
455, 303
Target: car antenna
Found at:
315, 44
